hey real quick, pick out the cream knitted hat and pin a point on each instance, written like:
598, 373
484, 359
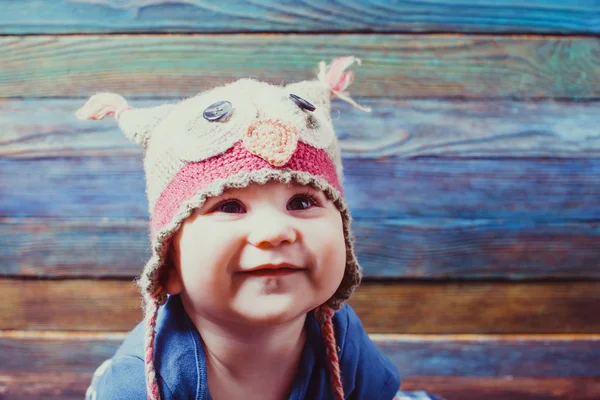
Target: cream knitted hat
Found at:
228, 137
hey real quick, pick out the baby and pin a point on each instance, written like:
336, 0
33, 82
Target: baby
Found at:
252, 256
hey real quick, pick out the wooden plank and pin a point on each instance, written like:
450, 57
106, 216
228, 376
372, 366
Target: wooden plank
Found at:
503, 388
386, 248
73, 305
64, 353
55, 385
402, 66
414, 355
66, 16
475, 249
75, 355
479, 307
485, 356
41, 128
407, 307
512, 190
72, 386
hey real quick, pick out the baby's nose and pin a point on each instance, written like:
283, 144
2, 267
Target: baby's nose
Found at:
273, 230
272, 140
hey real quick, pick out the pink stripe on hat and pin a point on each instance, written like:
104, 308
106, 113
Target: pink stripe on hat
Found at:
195, 176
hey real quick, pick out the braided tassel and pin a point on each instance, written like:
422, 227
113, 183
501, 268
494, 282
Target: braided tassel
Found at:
150, 318
325, 315
337, 79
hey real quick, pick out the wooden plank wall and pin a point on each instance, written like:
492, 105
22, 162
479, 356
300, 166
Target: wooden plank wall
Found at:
475, 183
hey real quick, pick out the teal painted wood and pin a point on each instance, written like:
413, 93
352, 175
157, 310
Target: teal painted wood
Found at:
511, 190
413, 356
397, 248
505, 16
394, 66
401, 128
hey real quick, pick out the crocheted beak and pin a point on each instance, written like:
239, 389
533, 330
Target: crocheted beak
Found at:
272, 140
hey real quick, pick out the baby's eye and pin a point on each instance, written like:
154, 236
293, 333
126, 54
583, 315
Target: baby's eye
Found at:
301, 202
229, 207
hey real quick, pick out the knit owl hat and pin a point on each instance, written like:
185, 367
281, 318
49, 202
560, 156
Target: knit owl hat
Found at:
229, 137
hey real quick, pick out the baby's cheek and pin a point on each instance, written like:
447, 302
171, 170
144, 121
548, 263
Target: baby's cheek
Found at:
205, 292
197, 281
333, 258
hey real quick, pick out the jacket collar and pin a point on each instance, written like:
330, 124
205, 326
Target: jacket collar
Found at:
179, 356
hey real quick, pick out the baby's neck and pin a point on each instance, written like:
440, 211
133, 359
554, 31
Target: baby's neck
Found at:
246, 361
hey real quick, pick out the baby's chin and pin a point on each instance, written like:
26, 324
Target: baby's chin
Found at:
271, 310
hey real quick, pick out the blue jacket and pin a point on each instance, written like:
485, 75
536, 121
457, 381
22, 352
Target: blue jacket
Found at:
181, 365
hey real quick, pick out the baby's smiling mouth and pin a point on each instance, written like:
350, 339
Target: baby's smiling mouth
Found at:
274, 272
282, 269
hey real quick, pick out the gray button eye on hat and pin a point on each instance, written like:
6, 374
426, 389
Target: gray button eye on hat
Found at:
217, 111
300, 102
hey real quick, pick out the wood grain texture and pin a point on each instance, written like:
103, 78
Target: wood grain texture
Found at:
402, 307
433, 208
493, 356
72, 386
513, 190
69, 16
396, 66
442, 356
479, 307
503, 388
55, 385
456, 175
417, 248
45, 128
492, 216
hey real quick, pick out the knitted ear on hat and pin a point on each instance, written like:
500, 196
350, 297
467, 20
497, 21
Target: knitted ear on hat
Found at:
136, 124
333, 80
315, 92
335, 77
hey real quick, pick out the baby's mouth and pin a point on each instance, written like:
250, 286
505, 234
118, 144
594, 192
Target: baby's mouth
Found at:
269, 272
282, 269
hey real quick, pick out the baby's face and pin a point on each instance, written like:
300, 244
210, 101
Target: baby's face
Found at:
224, 250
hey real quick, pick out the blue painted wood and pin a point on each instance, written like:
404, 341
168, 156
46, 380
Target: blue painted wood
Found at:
539, 357
396, 248
439, 189
426, 248
511, 190
504, 16
41, 128
416, 356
